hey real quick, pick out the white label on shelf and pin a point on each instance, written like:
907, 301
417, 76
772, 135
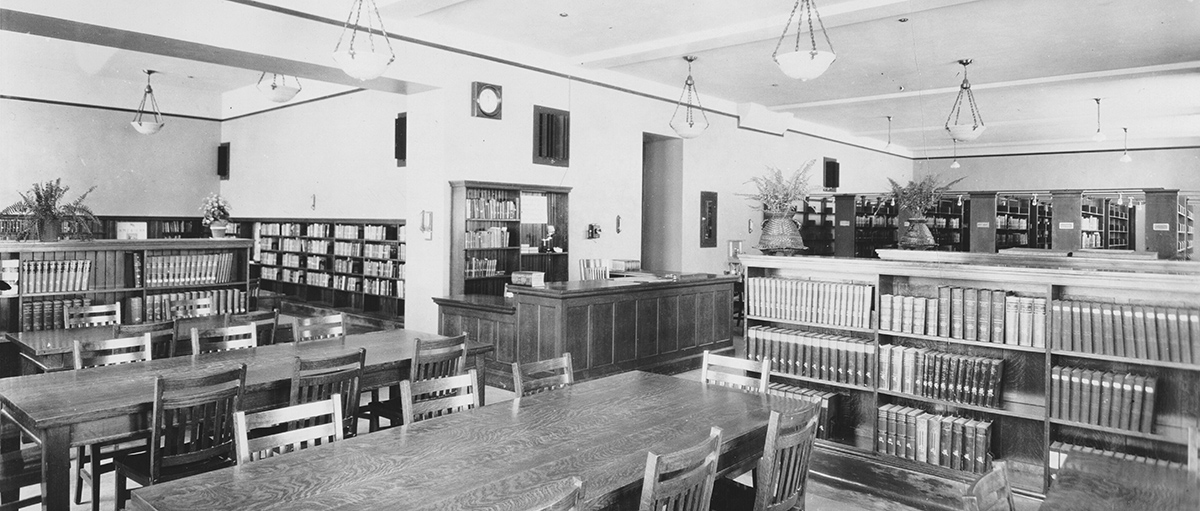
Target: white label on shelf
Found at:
1066, 225
982, 225
844, 223
1162, 227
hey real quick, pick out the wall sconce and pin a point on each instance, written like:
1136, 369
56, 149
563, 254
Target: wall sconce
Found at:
427, 224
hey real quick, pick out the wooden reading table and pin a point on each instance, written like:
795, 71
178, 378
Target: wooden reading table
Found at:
494, 457
1093, 482
71, 408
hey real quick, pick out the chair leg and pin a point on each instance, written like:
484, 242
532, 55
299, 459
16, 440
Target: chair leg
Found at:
94, 480
122, 494
80, 459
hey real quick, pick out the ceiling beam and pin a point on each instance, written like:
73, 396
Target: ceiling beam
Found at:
840, 14
413, 8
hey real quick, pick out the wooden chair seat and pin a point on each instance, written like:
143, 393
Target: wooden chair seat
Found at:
781, 475
731, 372
237, 337
435, 358
991, 492
332, 326
563, 495
436, 397
303, 425
682, 480
536, 377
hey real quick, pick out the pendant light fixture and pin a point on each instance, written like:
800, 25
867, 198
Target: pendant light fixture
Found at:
688, 125
143, 127
965, 132
804, 64
954, 164
278, 89
889, 143
1099, 136
1125, 158
361, 59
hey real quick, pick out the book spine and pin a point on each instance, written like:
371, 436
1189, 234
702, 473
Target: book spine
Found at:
956, 312
943, 329
1012, 308
970, 318
1039, 322
984, 316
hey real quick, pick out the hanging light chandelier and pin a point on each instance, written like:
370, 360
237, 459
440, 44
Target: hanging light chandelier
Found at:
145, 127
954, 164
278, 89
810, 62
688, 125
889, 143
965, 132
1099, 136
363, 60
1125, 158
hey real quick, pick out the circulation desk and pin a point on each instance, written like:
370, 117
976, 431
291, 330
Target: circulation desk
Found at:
608, 326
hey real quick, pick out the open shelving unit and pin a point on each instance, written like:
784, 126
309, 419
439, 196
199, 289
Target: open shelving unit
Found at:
817, 225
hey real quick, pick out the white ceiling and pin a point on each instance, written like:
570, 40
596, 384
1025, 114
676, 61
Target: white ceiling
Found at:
1037, 63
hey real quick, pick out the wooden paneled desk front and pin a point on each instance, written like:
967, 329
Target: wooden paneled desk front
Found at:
1092, 482
494, 457
71, 408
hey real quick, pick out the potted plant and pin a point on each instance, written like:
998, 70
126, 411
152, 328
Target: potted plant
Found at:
779, 196
216, 214
914, 199
41, 213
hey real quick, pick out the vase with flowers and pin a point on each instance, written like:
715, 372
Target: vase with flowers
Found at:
914, 199
216, 214
779, 197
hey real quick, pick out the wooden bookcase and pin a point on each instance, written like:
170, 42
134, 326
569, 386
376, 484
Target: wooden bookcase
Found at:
346, 264
817, 225
499, 228
948, 222
1022, 425
875, 226
1170, 224
138, 274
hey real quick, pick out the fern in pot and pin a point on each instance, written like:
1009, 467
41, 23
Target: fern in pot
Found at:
42, 214
780, 196
914, 200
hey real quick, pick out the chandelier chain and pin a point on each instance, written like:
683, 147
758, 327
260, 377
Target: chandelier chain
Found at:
785, 29
956, 111
353, 18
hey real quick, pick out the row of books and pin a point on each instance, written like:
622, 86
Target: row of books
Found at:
983, 315
318, 279
875, 221
825, 401
829, 303
386, 269
279, 229
378, 251
1102, 398
383, 288
48, 314
1135, 331
55, 276
477, 267
948, 441
315, 263
10, 273
157, 307
189, 269
945, 376
491, 209
343, 248
817, 355
1060, 451
492, 237
1004, 221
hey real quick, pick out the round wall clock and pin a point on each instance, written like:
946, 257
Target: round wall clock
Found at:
486, 100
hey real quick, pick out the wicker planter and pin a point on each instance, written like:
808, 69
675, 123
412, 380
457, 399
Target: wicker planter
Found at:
780, 234
918, 236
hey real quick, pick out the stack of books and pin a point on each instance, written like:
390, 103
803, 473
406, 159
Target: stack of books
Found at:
835, 358
949, 441
982, 315
827, 303
55, 276
1166, 334
1101, 398
945, 376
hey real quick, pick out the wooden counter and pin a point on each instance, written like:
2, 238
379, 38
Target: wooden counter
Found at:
608, 326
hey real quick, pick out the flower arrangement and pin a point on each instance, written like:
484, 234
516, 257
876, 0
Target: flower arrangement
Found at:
215, 209
777, 193
40, 212
918, 196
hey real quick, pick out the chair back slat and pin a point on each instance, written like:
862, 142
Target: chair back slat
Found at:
111, 351
682, 480
535, 377
266, 322
425, 399
316, 379
1194, 451
731, 372
562, 495
192, 308
162, 336
782, 472
192, 420
991, 492
92, 315
223, 339
332, 326
305, 424
438, 358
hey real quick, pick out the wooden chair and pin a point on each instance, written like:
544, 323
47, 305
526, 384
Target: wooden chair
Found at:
183, 405
162, 336
223, 339
92, 315
593, 269
315, 379
183, 331
321, 327
19, 469
682, 480
1194, 452
303, 425
563, 495
436, 397
991, 492
731, 372
192, 308
781, 474
267, 322
437, 358
536, 377
90, 459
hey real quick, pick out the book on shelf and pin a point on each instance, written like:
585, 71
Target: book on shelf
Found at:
998, 315
1038, 335
931, 316
970, 315
825, 401
956, 312
1012, 311
943, 329
1025, 321
918, 315
1103, 398
949, 441
983, 316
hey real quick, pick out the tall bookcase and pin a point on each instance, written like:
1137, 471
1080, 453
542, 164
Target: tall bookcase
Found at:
974, 353
1170, 224
817, 225
499, 228
948, 223
351, 264
875, 226
141, 275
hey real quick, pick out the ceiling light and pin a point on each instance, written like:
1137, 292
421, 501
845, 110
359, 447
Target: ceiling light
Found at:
687, 125
1099, 136
278, 89
1125, 158
954, 164
148, 128
965, 132
808, 63
364, 61
889, 144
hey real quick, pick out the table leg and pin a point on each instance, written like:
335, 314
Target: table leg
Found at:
9, 443
481, 373
56, 469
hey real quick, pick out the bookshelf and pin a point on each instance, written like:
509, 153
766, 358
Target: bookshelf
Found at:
141, 275
947, 222
817, 225
345, 264
1170, 224
972, 350
875, 226
499, 228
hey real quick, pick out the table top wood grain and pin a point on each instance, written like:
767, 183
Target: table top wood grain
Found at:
495, 456
51, 342
1092, 482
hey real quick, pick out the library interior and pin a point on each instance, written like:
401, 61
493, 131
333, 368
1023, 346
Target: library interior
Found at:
524, 255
